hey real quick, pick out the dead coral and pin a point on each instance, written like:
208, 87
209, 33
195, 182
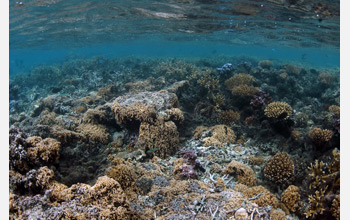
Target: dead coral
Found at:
280, 168
46, 150
320, 136
228, 117
160, 136
279, 110
291, 198
244, 173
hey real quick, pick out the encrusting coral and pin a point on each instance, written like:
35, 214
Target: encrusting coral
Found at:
279, 110
280, 168
320, 136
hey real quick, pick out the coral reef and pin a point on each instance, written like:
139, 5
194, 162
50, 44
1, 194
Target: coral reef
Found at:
279, 169
228, 117
266, 64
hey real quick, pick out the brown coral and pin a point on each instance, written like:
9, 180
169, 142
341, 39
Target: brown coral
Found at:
291, 198
320, 136
277, 214
223, 133
228, 117
280, 168
239, 79
46, 150
335, 110
335, 209
94, 132
279, 110
325, 78
123, 173
258, 194
266, 64
161, 136
138, 112
244, 173
244, 90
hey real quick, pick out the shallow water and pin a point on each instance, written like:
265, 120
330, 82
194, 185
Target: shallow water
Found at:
174, 109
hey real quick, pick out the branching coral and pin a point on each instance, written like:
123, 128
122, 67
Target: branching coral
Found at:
277, 214
335, 110
280, 168
244, 173
244, 90
258, 195
279, 110
291, 198
240, 84
320, 136
325, 181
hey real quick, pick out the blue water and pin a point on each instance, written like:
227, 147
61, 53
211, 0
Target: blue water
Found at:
51, 32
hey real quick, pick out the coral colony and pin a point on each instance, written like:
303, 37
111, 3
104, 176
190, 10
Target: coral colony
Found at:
171, 139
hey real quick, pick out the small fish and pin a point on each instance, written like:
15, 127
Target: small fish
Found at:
151, 150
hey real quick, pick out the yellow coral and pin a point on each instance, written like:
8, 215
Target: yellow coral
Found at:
280, 168
320, 136
239, 79
291, 198
278, 110
244, 173
244, 90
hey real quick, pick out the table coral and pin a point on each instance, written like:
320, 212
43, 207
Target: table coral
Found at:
244, 173
279, 110
280, 168
320, 136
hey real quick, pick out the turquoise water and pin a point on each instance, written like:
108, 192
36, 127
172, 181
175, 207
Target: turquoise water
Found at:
48, 32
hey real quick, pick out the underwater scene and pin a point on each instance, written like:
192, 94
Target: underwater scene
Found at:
174, 109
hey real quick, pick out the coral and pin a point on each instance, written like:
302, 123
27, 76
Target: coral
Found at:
291, 198
186, 168
291, 69
244, 90
46, 150
123, 173
197, 133
241, 214
295, 135
335, 209
325, 78
258, 195
325, 181
107, 92
256, 160
266, 64
150, 84
335, 110
143, 106
277, 214
260, 99
94, 116
279, 110
94, 132
210, 141
228, 117
239, 79
244, 173
280, 168
162, 136
223, 133
175, 115
284, 76
320, 136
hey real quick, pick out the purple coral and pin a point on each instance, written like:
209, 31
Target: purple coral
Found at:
260, 99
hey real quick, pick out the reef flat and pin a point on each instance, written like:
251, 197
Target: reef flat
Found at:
136, 138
